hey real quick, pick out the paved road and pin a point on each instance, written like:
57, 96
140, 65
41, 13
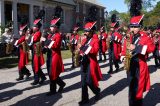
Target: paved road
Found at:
114, 89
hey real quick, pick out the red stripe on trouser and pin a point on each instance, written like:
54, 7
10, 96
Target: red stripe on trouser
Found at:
144, 82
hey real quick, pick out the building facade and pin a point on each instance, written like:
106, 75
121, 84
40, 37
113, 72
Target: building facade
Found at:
13, 11
82, 9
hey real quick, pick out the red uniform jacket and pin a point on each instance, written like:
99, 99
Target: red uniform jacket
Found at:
117, 38
159, 44
57, 66
124, 47
38, 61
75, 38
104, 44
95, 36
74, 41
95, 71
157, 41
139, 70
23, 58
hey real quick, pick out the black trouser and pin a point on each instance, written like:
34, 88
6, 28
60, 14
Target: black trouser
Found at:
112, 61
53, 83
86, 81
134, 83
73, 58
136, 102
73, 54
24, 71
156, 58
39, 75
100, 55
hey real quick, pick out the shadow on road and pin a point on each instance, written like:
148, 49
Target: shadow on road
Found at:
73, 74
39, 100
4, 96
104, 65
66, 64
112, 90
7, 85
115, 88
7, 95
73, 87
153, 96
152, 68
105, 77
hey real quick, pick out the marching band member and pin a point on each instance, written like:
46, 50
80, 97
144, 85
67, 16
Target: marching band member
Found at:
115, 45
54, 60
103, 45
74, 41
37, 55
140, 46
23, 53
156, 53
90, 70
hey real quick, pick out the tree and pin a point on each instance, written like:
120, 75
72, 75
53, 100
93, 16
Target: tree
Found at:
113, 12
146, 3
152, 17
124, 17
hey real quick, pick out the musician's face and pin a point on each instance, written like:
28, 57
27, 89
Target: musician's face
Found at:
135, 30
86, 33
101, 30
74, 32
21, 32
112, 29
35, 29
53, 29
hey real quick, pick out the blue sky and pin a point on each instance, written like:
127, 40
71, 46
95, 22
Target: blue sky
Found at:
116, 4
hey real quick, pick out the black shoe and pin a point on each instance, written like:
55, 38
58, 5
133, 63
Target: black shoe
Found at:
83, 102
110, 72
35, 83
117, 70
72, 66
27, 76
61, 88
19, 79
100, 60
50, 93
97, 96
42, 81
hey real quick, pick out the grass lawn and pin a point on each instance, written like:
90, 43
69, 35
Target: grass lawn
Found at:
10, 62
66, 54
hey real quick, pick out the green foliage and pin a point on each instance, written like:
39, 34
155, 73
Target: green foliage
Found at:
152, 18
113, 12
8, 62
80, 32
125, 17
1, 29
66, 54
